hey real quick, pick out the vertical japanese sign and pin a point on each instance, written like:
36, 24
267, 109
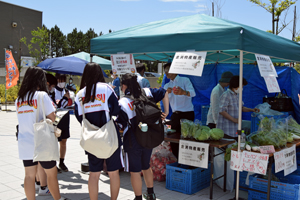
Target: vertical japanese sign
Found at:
254, 162
279, 158
290, 160
12, 72
267, 70
193, 153
235, 161
122, 63
190, 63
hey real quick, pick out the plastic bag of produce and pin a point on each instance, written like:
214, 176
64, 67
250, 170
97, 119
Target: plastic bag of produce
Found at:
216, 134
293, 126
265, 123
161, 156
265, 109
196, 127
187, 127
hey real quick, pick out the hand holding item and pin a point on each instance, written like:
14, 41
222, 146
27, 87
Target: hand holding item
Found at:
169, 90
256, 110
67, 94
178, 91
163, 116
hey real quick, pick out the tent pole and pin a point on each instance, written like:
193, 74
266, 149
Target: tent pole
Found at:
5, 79
239, 120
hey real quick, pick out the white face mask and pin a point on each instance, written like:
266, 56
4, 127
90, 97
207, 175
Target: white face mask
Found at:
70, 81
61, 85
238, 90
112, 76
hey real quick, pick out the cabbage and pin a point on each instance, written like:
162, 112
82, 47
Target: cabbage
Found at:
202, 135
216, 134
195, 127
205, 128
185, 129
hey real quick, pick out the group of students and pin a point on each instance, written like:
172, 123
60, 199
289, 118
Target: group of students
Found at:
100, 103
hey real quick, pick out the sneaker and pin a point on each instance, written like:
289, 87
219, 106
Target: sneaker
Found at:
149, 196
63, 167
44, 192
37, 187
58, 170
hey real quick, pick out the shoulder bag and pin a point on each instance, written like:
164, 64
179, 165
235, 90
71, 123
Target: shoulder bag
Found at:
101, 142
45, 141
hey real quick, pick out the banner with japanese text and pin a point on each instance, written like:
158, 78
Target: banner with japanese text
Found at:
12, 72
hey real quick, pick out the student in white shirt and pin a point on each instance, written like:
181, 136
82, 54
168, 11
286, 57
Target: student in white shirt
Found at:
140, 68
34, 83
180, 91
213, 112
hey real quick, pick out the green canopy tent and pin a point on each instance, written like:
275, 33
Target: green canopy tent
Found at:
104, 63
225, 42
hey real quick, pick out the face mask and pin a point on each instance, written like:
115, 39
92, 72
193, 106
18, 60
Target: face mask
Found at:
112, 76
70, 81
61, 85
238, 90
52, 89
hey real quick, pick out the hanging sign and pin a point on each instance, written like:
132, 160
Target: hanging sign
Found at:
279, 158
193, 153
122, 63
272, 84
235, 161
290, 160
254, 162
190, 63
12, 72
265, 66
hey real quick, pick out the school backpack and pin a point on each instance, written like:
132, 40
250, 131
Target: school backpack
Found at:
147, 112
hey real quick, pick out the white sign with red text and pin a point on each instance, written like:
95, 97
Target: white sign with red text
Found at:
122, 63
235, 161
254, 162
190, 63
279, 158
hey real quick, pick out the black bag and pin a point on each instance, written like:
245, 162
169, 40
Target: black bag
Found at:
148, 112
283, 103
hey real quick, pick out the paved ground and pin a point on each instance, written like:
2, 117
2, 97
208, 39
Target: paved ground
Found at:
73, 184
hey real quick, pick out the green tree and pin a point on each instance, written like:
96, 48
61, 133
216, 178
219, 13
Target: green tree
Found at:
58, 42
90, 34
276, 8
38, 45
75, 41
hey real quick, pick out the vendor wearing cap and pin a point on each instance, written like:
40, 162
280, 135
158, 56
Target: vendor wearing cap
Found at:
180, 91
213, 112
229, 109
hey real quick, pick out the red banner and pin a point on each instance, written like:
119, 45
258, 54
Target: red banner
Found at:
12, 72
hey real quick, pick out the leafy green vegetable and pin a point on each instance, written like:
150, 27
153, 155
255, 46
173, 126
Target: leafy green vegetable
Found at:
196, 127
202, 135
216, 134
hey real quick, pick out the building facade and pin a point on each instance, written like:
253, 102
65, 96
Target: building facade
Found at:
16, 22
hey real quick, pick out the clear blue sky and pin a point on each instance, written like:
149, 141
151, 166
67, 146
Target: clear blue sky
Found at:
103, 15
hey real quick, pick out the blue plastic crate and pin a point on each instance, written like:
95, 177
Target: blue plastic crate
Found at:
243, 177
255, 120
188, 181
204, 112
279, 190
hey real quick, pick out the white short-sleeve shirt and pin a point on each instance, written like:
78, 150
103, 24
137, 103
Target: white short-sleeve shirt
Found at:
27, 117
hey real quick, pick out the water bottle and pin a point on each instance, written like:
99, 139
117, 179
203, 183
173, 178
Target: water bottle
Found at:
243, 140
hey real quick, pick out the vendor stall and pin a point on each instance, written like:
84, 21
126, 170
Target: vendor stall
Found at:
224, 41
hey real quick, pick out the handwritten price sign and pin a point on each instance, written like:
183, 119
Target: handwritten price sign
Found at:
235, 161
279, 161
254, 162
272, 84
267, 149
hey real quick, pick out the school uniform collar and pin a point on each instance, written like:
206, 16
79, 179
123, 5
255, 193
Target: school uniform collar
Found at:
59, 89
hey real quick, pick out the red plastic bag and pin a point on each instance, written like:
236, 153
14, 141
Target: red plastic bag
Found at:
161, 156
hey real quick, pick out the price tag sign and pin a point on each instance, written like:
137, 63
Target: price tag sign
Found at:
267, 149
122, 63
235, 161
279, 161
290, 160
272, 84
190, 63
193, 153
265, 66
254, 162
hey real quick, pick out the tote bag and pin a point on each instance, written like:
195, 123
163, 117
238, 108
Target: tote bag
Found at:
45, 141
101, 142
